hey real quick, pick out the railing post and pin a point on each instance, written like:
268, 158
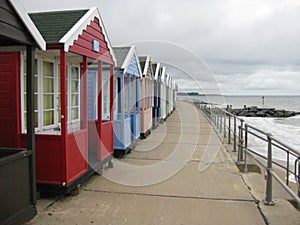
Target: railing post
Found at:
246, 149
229, 129
224, 124
221, 120
239, 145
217, 119
213, 114
210, 113
241, 140
234, 134
287, 168
298, 160
268, 198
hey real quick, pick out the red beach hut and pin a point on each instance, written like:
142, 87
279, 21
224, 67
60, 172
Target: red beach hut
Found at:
74, 39
17, 165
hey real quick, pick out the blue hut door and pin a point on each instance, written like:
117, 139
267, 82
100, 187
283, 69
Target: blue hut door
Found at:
92, 95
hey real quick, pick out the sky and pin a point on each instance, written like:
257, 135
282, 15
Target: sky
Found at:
231, 47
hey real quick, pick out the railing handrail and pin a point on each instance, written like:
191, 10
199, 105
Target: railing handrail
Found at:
286, 146
219, 115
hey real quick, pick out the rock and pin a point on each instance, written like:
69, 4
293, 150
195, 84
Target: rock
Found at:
289, 114
278, 114
254, 111
250, 114
261, 114
253, 107
242, 113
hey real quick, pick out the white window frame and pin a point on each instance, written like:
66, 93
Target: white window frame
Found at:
23, 120
106, 94
54, 128
41, 95
73, 124
116, 102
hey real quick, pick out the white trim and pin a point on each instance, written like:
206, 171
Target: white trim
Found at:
157, 71
29, 24
147, 63
116, 102
105, 91
167, 79
41, 77
22, 55
163, 73
72, 123
72, 35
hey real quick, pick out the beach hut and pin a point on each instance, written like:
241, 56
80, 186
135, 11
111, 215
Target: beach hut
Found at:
176, 88
168, 106
17, 165
170, 98
74, 39
173, 95
163, 94
127, 120
146, 95
155, 96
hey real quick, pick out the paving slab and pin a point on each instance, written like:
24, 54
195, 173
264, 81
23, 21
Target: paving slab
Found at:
122, 208
200, 183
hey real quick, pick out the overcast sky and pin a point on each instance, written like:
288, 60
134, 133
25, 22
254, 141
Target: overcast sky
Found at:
216, 46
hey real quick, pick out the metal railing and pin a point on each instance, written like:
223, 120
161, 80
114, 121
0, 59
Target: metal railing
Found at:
227, 125
268, 161
234, 129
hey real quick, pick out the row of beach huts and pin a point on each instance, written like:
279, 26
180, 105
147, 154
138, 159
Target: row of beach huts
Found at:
69, 103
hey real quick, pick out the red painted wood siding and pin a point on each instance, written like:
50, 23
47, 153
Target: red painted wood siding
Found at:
9, 96
76, 155
107, 140
93, 135
84, 44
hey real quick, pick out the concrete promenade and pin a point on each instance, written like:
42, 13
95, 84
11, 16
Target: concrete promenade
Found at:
180, 174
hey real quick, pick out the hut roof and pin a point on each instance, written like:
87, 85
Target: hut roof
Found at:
54, 25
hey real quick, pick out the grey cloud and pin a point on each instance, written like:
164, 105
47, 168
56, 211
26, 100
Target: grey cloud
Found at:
235, 38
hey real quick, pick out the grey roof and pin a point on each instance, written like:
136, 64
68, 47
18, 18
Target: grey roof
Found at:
54, 25
120, 53
143, 60
154, 67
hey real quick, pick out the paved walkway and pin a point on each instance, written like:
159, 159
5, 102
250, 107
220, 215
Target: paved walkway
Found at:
180, 174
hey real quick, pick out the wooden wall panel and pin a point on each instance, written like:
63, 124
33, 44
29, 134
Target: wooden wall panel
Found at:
9, 70
84, 44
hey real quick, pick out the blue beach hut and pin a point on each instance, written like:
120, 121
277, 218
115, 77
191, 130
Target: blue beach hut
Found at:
128, 118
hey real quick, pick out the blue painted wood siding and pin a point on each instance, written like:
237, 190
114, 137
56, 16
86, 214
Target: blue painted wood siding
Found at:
133, 68
92, 95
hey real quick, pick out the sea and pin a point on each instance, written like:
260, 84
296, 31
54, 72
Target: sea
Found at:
286, 130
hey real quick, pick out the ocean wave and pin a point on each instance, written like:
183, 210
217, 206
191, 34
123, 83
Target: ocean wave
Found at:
286, 130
